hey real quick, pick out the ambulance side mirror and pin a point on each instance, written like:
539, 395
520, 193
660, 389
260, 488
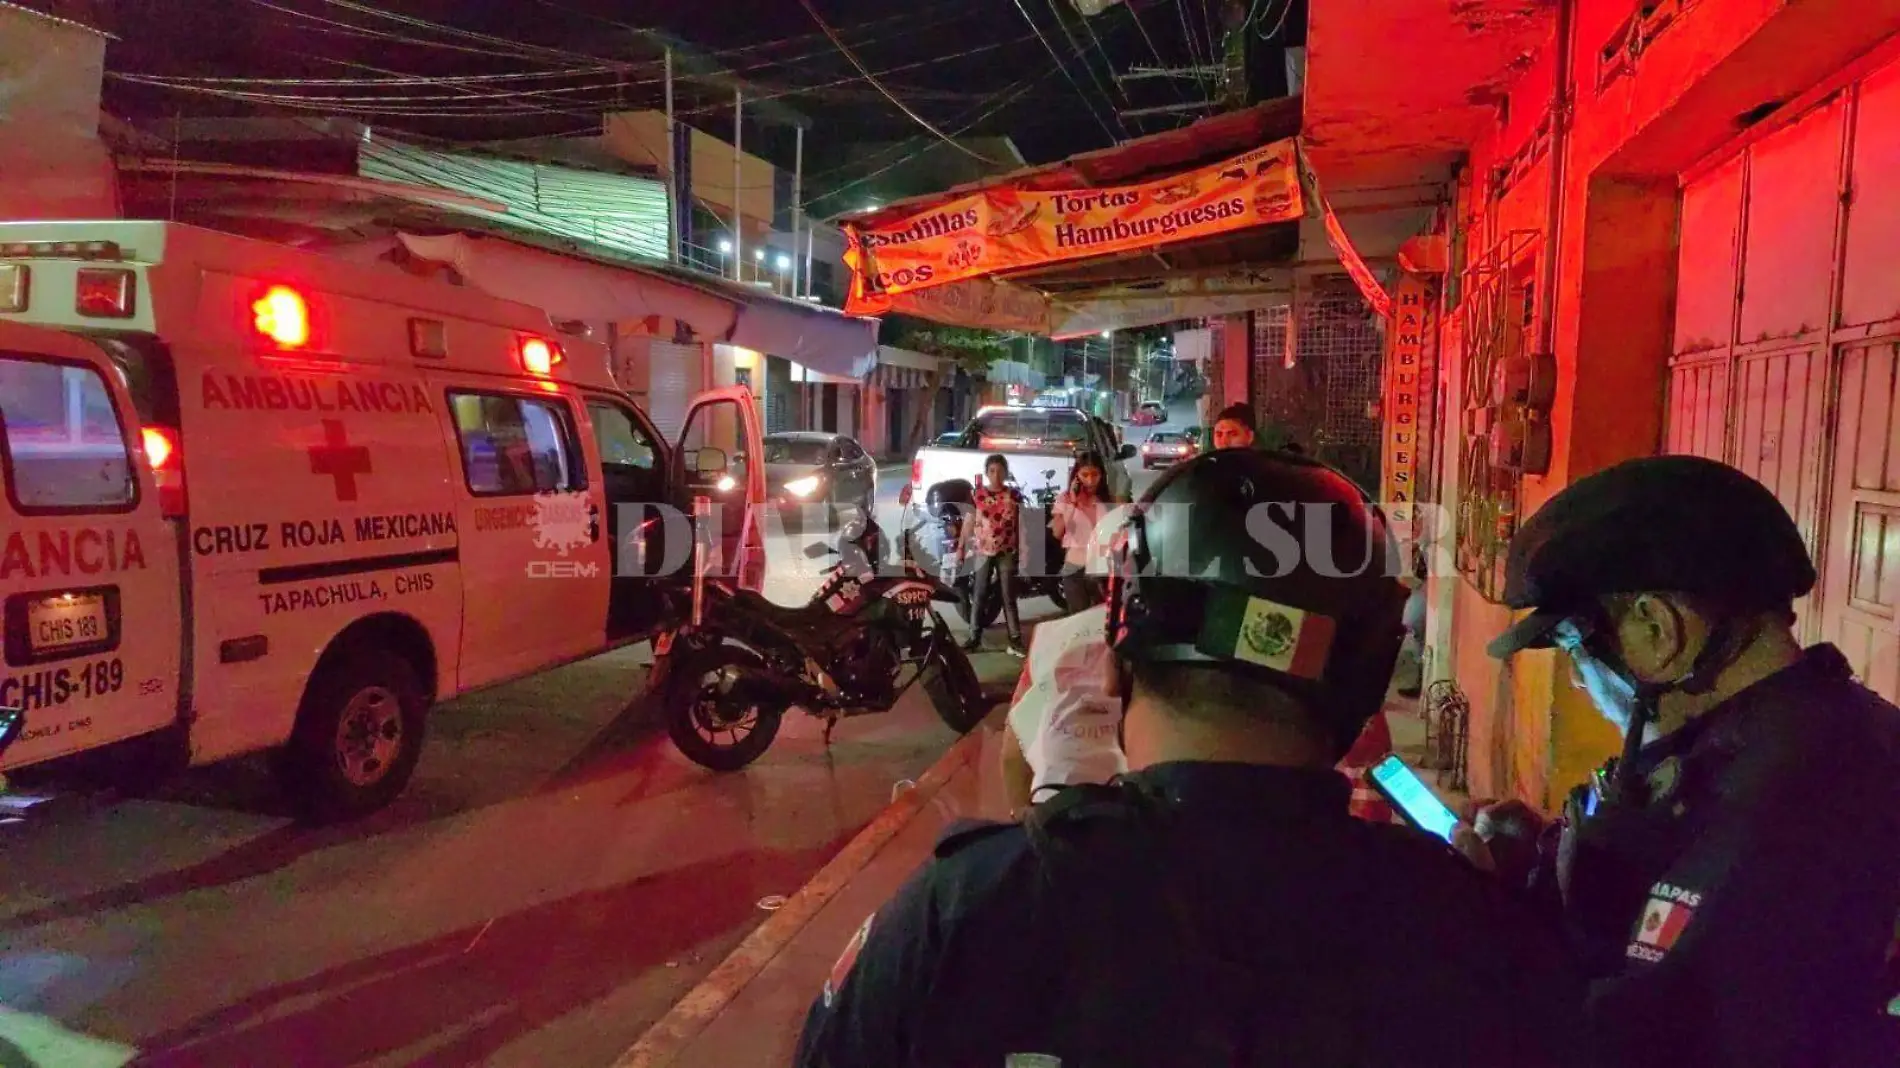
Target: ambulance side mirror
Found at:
710, 462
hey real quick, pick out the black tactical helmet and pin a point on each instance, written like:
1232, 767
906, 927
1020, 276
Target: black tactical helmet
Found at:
1265, 563
1656, 524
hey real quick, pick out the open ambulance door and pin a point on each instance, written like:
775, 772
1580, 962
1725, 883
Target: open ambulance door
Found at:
90, 591
720, 458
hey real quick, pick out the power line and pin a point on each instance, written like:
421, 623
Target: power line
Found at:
308, 103
1063, 67
1007, 99
872, 78
546, 54
1279, 25
1143, 29
1076, 46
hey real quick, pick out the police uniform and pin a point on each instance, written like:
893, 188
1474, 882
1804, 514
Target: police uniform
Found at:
1215, 913
1198, 915
1732, 886
1737, 909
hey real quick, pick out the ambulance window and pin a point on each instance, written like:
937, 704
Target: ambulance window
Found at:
622, 442
64, 448
516, 445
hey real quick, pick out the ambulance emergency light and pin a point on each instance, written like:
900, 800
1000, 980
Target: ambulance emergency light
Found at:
104, 292
538, 356
282, 317
98, 293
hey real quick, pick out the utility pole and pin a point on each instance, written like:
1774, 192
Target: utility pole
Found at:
811, 244
798, 206
738, 174
672, 168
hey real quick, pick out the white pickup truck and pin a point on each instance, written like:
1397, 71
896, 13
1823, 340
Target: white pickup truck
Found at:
1039, 443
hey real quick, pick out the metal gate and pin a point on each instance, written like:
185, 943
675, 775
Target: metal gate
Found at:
674, 375
1787, 321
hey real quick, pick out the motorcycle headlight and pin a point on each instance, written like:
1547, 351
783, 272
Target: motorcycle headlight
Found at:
804, 487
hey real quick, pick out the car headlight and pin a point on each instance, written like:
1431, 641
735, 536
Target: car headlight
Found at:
725, 484
804, 487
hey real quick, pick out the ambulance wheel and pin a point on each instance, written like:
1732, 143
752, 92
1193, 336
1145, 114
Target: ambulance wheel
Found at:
710, 718
358, 736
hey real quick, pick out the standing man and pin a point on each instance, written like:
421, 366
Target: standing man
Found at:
1218, 906
1733, 879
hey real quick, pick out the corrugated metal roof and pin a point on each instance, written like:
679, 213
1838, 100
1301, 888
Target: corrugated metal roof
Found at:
622, 212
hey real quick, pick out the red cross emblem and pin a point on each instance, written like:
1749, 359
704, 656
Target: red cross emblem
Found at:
339, 459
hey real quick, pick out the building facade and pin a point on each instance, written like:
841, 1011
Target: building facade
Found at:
1669, 232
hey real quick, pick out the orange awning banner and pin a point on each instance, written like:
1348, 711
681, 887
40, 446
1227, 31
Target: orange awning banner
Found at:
1007, 228
983, 303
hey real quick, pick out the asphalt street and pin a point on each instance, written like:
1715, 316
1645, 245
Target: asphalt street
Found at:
554, 878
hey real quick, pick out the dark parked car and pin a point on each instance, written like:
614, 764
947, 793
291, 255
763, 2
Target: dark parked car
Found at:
810, 467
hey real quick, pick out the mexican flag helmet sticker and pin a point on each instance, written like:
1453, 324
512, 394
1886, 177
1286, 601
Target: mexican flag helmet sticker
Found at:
1266, 633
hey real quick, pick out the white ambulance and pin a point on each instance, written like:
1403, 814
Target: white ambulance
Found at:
252, 498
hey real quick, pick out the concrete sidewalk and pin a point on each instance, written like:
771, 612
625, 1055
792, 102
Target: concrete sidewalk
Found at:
761, 1023
755, 1019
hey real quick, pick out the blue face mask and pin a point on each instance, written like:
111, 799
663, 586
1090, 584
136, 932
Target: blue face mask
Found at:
1613, 695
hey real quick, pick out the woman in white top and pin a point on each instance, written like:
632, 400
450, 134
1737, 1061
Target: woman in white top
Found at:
1075, 519
1063, 725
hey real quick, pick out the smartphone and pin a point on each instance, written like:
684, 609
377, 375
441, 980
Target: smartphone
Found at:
1414, 800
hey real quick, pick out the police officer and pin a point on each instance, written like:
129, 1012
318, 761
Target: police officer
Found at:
1218, 906
1733, 879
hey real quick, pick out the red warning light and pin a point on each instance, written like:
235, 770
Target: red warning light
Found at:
282, 316
538, 357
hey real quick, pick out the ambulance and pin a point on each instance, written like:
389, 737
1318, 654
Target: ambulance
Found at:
255, 499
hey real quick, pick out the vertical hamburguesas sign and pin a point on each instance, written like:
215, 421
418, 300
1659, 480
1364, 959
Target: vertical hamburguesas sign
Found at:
1407, 335
1009, 227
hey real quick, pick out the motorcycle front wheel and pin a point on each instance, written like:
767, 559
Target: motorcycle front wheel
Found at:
955, 692
714, 720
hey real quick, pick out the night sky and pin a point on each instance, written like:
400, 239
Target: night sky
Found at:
1008, 83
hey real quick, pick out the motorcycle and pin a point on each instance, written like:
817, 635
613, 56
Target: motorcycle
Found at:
725, 677
947, 506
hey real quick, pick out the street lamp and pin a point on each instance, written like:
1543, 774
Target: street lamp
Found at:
758, 254
784, 262
725, 246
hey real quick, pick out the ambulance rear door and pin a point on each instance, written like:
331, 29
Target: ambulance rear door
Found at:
90, 586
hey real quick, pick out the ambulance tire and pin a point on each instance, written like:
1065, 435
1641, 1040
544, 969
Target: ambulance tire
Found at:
310, 767
684, 684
